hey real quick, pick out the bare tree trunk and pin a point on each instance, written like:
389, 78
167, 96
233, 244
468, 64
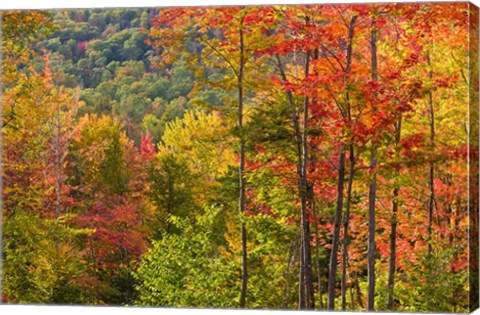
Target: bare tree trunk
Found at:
432, 164
357, 289
372, 191
345, 226
301, 280
307, 267
56, 133
241, 168
291, 260
305, 283
58, 165
314, 211
336, 231
371, 235
317, 258
340, 186
393, 224
2, 125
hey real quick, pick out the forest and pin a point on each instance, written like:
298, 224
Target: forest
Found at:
318, 157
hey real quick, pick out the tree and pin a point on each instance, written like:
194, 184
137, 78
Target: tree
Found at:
232, 23
336, 135
190, 259
35, 193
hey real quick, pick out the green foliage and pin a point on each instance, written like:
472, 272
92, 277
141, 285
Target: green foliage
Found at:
268, 257
104, 51
171, 191
192, 272
439, 290
41, 264
152, 159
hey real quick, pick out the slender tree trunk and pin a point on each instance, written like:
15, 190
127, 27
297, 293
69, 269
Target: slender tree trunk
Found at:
305, 283
350, 178
372, 191
307, 267
345, 226
2, 274
340, 186
393, 224
358, 291
291, 260
336, 231
58, 164
298, 141
56, 129
432, 164
301, 280
317, 258
241, 168
314, 211
94, 261
371, 234
352, 300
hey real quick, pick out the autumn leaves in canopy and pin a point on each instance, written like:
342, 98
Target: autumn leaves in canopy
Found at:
329, 172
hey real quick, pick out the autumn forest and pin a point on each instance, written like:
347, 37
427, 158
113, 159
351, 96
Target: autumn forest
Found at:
271, 157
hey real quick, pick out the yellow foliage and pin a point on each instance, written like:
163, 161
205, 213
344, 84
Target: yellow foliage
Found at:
202, 140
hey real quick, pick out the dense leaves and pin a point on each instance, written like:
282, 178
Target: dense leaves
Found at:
152, 156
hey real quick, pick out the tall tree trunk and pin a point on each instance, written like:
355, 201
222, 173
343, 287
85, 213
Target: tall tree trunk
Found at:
305, 283
345, 226
317, 257
340, 185
58, 166
307, 267
357, 290
301, 280
372, 191
371, 235
291, 260
393, 224
336, 231
2, 275
313, 208
241, 168
431, 203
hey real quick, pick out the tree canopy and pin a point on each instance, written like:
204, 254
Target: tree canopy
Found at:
271, 157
